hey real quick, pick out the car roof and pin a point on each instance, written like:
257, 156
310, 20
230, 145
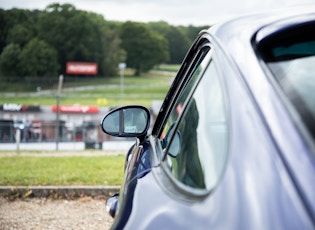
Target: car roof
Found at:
237, 38
249, 25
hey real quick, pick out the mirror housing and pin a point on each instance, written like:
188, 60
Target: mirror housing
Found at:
112, 204
127, 121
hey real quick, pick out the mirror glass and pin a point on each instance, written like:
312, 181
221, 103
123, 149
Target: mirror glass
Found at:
135, 120
175, 144
129, 121
174, 148
111, 123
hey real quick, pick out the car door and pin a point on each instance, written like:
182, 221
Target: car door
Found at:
188, 146
194, 134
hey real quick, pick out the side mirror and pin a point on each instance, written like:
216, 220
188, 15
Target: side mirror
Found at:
112, 204
174, 148
175, 139
127, 121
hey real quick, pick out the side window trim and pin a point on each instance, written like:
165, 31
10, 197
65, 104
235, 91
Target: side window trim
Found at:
179, 80
187, 100
204, 50
199, 180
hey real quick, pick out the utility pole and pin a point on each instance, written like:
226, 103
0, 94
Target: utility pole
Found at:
57, 111
122, 67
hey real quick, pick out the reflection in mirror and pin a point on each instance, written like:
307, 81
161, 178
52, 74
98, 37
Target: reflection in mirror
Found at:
128, 121
135, 120
111, 123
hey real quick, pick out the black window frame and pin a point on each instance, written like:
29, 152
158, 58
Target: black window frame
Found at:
178, 84
169, 182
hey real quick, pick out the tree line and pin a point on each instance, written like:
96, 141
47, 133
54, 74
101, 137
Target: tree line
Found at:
38, 44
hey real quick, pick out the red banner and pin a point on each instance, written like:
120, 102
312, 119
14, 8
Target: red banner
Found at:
75, 109
81, 68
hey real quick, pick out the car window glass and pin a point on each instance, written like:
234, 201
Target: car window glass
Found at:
290, 55
297, 79
201, 61
202, 136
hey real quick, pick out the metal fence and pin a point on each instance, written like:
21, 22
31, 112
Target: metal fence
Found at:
47, 131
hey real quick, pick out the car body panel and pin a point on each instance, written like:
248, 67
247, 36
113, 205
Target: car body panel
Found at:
250, 187
273, 111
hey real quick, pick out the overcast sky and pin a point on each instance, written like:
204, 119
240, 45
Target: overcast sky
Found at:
175, 12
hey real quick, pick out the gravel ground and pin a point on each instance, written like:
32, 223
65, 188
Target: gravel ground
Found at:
81, 214
48, 214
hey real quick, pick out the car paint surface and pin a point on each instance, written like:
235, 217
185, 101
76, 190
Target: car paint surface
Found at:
269, 176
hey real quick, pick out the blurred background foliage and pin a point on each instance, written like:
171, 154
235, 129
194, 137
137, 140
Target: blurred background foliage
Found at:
36, 45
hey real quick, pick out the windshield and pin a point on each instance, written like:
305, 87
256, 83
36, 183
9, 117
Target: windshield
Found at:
290, 55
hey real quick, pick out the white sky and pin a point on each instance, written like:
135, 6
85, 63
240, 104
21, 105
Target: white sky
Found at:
175, 12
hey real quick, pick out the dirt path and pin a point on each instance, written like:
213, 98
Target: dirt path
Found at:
81, 214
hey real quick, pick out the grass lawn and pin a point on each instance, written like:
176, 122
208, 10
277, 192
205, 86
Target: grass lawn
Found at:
79, 170
136, 90
33, 171
110, 97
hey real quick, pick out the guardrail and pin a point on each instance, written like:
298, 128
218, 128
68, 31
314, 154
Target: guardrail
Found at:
68, 146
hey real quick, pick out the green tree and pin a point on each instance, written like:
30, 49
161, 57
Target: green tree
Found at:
38, 59
3, 29
19, 34
11, 18
9, 60
112, 53
178, 45
145, 48
192, 31
73, 34
179, 38
108, 46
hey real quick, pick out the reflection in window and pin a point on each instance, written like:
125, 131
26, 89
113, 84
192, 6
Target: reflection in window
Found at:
203, 136
202, 60
297, 79
111, 123
290, 55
